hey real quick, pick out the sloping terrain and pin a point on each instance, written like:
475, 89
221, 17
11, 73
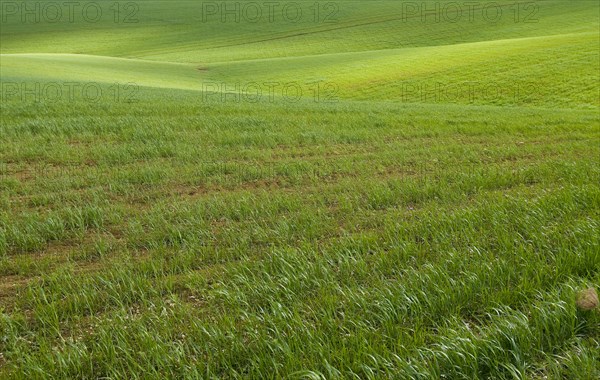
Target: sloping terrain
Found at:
361, 193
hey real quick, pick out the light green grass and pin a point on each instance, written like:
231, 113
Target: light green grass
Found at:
502, 72
385, 235
65, 68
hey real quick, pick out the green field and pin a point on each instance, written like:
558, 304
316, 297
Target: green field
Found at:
354, 192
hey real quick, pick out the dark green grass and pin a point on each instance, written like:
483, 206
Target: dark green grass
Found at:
180, 33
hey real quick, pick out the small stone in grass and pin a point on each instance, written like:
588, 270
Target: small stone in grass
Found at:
587, 299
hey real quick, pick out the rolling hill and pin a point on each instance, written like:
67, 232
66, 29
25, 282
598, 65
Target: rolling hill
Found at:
367, 189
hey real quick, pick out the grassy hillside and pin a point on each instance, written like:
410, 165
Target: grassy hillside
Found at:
427, 207
502, 72
159, 30
532, 56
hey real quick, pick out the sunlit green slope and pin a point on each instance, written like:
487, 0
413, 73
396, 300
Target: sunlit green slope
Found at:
556, 70
538, 55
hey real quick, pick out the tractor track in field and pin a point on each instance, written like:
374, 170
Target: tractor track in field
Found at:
335, 28
295, 34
